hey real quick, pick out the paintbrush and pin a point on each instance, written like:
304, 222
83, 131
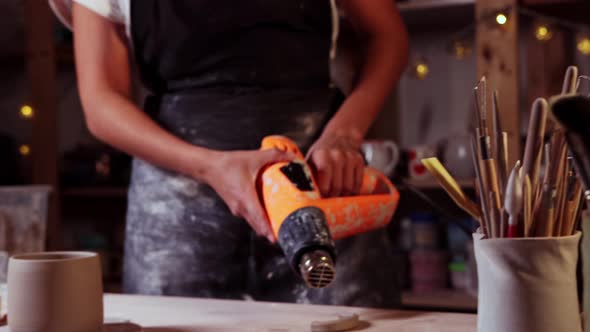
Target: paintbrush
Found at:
505, 156
451, 186
536, 132
527, 192
573, 113
569, 80
477, 107
480, 93
513, 200
546, 215
538, 224
484, 105
499, 147
574, 199
494, 216
561, 199
503, 222
480, 184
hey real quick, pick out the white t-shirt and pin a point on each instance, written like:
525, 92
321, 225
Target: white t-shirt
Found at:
115, 10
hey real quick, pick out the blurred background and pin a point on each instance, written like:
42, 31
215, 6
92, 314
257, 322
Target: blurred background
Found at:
62, 189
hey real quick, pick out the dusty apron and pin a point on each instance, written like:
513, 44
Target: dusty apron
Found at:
223, 75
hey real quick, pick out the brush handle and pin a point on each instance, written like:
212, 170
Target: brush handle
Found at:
512, 228
512, 231
570, 79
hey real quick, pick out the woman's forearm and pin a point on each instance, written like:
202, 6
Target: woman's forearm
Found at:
386, 56
103, 71
114, 119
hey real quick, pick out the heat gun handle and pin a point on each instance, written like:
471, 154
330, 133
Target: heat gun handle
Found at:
375, 182
281, 143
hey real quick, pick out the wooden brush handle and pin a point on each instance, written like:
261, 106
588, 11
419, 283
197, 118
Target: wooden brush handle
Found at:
512, 230
492, 178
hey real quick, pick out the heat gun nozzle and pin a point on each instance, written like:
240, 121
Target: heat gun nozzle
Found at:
317, 269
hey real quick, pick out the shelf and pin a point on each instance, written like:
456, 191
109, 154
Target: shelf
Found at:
416, 5
433, 184
574, 11
447, 299
435, 15
95, 192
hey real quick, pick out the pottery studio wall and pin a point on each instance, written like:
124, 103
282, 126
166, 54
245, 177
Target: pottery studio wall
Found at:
441, 105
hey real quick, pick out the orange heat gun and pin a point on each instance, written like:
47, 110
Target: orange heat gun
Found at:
305, 224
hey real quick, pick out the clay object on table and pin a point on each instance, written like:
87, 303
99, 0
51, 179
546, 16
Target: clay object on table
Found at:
342, 323
55, 292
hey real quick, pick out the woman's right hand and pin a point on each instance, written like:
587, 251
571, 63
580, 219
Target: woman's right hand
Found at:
233, 177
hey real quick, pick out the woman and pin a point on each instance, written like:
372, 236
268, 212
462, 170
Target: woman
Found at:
222, 75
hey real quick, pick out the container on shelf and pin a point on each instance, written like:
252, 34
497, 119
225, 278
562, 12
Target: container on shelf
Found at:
23, 221
425, 231
406, 235
457, 237
459, 275
428, 270
456, 156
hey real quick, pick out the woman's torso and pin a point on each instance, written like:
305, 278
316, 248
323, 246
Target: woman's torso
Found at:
225, 73
190, 44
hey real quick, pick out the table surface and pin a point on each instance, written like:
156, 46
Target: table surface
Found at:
440, 300
173, 314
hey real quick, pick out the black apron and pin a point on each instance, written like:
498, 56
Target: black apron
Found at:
224, 74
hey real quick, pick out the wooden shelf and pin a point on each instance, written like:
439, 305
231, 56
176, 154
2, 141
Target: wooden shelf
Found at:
433, 184
95, 192
447, 299
416, 5
431, 15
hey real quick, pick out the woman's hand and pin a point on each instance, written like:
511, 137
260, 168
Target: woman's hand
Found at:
233, 177
338, 164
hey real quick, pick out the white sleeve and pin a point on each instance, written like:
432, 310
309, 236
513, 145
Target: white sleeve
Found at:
115, 10
110, 9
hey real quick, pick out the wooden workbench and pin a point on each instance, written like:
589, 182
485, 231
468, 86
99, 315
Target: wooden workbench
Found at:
169, 314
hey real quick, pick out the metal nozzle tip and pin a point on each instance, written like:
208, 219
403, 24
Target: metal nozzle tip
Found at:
317, 269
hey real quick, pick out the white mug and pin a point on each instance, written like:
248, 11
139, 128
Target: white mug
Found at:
381, 155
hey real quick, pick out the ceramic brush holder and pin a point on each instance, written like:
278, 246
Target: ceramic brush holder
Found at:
527, 284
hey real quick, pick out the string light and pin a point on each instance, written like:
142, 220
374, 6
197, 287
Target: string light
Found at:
24, 150
501, 18
27, 112
421, 69
461, 49
543, 32
583, 44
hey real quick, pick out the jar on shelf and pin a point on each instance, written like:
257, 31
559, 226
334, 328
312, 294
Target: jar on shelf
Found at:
459, 275
428, 270
425, 231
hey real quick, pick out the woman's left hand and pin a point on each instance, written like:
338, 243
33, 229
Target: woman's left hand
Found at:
338, 165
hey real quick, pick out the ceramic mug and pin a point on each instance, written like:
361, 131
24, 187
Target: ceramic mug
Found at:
55, 292
381, 155
416, 169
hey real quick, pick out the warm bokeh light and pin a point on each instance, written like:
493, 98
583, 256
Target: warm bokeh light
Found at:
461, 49
584, 45
501, 19
421, 70
24, 150
543, 33
27, 112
